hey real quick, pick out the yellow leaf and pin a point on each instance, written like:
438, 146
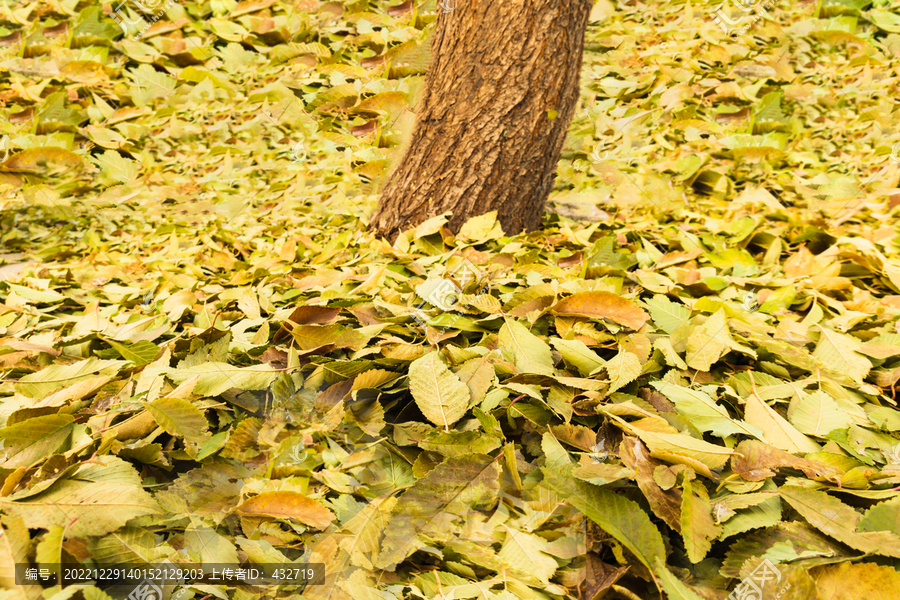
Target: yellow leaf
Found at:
673, 444
438, 392
847, 581
837, 353
478, 228
39, 160
623, 368
777, 430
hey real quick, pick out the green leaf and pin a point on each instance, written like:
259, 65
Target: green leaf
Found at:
262, 552
531, 353
777, 430
817, 414
838, 353
35, 439
14, 549
214, 378
129, 545
884, 20
831, 516
367, 527
703, 412
180, 418
117, 168
884, 516
438, 505
615, 514
761, 515
674, 445
139, 353
708, 343
96, 499
675, 589
622, 369
830, 8
212, 445
556, 455
438, 392
768, 114
697, 525
459, 443
667, 315
38, 385
526, 553
149, 84
207, 547
577, 353
38, 296
49, 549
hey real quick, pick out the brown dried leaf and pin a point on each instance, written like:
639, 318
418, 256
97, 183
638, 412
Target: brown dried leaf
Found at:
287, 505
602, 305
756, 461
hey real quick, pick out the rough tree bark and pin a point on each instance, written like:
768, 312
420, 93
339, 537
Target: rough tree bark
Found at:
499, 94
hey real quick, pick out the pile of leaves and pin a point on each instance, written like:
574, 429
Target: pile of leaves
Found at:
687, 372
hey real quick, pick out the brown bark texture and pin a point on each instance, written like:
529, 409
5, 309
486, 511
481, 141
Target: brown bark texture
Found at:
499, 94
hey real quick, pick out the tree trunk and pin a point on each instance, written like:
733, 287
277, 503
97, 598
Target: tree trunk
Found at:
500, 92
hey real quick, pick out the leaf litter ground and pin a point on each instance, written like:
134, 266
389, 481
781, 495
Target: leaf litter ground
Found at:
681, 386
